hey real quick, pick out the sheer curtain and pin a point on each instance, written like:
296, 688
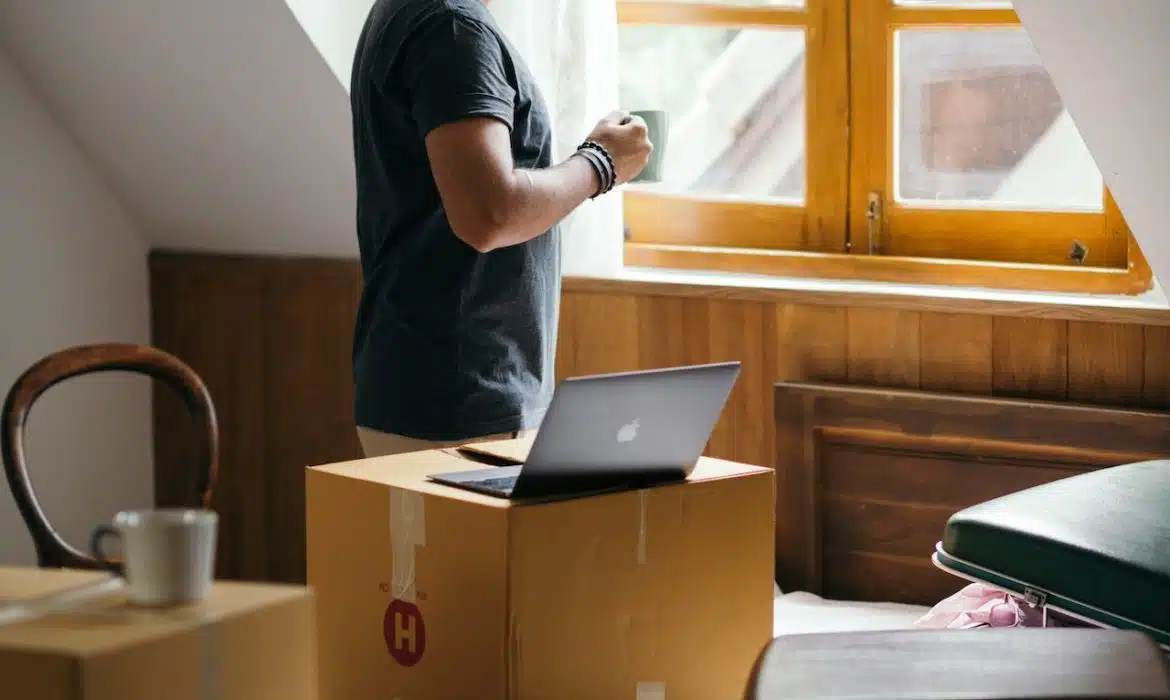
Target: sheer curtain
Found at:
571, 47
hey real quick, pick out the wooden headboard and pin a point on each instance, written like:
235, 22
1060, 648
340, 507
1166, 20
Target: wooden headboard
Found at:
866, 478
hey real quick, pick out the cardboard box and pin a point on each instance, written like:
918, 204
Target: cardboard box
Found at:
427, 592
245, 642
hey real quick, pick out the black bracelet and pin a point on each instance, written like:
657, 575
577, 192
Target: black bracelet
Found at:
604, 153
598, 166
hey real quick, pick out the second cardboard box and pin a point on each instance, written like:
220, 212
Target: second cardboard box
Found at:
426, 591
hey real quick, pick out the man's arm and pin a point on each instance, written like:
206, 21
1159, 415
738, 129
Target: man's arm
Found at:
455, 76
490, 204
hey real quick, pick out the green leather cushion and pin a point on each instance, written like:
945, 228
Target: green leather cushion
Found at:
1100, 538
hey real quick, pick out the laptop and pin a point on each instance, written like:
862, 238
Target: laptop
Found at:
611, 432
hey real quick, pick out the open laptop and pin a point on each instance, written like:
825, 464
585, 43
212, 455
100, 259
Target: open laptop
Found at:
613, 431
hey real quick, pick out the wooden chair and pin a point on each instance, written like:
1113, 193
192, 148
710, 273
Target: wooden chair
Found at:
52, 550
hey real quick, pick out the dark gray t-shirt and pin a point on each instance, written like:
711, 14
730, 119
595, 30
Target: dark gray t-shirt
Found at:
450, 343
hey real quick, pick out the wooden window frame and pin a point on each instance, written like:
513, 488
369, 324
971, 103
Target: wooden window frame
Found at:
849, 88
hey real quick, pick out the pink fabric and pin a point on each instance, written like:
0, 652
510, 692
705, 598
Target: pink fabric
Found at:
979, 605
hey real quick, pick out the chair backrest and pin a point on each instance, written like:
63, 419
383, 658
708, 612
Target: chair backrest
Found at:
52, 550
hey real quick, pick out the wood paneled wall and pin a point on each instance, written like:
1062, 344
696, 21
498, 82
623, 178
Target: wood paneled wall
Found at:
272, 338
867, 478
1082, 361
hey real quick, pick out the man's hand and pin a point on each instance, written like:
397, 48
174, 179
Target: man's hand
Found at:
627, 140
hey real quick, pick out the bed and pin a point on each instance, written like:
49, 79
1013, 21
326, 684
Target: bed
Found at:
801, 612
866, 479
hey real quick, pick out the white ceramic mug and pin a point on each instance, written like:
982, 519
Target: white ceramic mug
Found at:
168, 555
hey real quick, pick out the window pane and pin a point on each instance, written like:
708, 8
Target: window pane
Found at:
979, 124
752, 3
736, 104
997, 4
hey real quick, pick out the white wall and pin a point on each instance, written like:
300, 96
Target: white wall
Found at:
72, 270
216, 121
1109, 59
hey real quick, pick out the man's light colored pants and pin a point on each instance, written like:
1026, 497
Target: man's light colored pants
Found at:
378, 444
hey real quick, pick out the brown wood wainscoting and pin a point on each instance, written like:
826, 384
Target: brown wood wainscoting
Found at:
866, 478
271, 337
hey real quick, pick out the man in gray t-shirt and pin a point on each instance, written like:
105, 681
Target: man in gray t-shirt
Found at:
457, 218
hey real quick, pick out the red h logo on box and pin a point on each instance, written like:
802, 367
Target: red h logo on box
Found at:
404, 632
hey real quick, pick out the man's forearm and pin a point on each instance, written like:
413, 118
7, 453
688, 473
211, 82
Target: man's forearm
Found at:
536, 200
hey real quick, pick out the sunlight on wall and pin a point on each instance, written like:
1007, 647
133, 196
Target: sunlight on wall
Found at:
334, 27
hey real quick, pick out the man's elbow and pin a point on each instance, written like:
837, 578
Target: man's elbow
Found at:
485, 231
482, 238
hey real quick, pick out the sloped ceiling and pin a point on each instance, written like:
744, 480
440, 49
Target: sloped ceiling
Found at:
216, 121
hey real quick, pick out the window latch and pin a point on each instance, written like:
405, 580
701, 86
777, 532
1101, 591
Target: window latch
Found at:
873, 221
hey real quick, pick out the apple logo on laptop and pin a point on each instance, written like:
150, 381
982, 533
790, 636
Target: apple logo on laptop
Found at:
628, 432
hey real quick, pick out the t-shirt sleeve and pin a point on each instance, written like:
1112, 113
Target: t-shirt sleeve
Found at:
457, 70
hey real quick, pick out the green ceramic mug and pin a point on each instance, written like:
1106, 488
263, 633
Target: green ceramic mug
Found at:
658, 126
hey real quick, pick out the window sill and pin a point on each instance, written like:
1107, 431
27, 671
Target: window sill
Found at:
898, 270
1149, 308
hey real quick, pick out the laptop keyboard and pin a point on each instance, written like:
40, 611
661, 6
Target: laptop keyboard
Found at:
502, 484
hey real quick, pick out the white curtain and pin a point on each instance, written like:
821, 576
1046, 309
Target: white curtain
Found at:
571, 48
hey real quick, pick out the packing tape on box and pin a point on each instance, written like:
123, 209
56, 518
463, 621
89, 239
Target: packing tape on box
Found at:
210, 661
12, 612
77, 601
209, 664
408, 530
651, 691
642, 498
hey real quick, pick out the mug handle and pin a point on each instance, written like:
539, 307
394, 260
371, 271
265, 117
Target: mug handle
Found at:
99, 536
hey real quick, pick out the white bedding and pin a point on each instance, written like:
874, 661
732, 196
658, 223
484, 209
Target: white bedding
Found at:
805, 613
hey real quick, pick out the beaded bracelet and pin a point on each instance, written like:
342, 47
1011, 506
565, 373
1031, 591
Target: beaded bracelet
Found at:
611, 169
599, 166
604, 152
